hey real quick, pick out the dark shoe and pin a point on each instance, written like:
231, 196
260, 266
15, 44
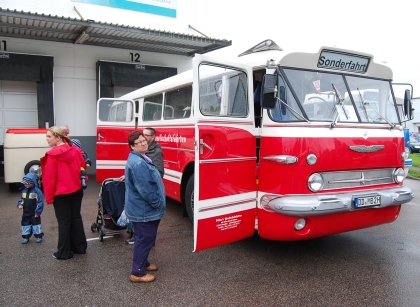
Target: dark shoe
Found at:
145, 278
59, 258
130, 241
25, 241
79, 253
152, 267
38, 240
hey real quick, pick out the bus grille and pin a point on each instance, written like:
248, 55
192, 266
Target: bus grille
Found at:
361, 178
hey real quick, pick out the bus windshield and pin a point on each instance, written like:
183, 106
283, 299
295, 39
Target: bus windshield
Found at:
338, 97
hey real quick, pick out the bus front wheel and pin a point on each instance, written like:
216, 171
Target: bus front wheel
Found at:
189, 198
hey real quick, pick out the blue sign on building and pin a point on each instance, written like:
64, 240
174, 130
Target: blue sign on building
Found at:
157, 7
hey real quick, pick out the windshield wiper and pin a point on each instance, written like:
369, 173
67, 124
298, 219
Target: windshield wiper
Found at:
374, 109
291, 109
341, 104
363, 105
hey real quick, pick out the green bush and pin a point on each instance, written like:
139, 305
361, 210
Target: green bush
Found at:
414, 173
416, 159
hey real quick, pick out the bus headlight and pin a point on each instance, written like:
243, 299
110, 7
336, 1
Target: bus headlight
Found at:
300, 224
315, 182
398, 175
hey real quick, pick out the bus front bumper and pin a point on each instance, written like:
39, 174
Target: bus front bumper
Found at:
312, 205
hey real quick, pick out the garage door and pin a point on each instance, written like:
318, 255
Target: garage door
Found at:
18, 106
122, 90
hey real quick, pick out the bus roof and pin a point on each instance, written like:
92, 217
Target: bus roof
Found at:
179, 80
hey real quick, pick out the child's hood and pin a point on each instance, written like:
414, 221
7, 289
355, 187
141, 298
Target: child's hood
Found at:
32, 177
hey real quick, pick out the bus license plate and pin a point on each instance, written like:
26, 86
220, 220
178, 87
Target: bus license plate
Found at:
368, 201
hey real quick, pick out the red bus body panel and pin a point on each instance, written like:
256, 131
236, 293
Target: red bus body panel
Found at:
233, 175
279, 227
333, 155
177, 146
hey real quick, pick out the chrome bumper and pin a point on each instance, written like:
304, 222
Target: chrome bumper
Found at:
310, 205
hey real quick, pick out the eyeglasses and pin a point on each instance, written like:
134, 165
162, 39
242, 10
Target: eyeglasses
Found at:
147, 134
139, 142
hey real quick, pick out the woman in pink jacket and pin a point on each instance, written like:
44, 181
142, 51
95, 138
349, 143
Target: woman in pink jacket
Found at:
63, 188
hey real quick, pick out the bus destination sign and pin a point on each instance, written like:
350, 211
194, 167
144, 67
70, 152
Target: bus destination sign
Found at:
343, 61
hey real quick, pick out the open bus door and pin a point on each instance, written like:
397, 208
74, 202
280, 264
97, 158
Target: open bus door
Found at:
225, 158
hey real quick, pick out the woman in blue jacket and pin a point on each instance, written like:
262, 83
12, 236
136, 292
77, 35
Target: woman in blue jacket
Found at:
145, 204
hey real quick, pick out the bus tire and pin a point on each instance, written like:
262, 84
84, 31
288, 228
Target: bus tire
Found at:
14, 186
189, 198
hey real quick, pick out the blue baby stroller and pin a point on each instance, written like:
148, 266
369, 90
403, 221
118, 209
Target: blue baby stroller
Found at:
110, 206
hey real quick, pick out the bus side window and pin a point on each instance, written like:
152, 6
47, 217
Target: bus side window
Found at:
224, 93
177, 102
152, 108
124, 113
119, 111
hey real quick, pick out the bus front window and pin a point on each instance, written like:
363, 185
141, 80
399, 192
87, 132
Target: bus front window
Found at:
373, 100
286, 108
342, 98
322, 95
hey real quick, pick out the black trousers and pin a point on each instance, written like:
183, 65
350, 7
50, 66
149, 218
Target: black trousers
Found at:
71, 234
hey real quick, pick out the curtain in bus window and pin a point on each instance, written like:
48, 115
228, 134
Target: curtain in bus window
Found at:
118, 111
224, 92
122, 115
152, 108
237, 102
178, 103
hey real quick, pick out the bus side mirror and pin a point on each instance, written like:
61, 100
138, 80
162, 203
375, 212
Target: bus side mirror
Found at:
269, 91
408, 108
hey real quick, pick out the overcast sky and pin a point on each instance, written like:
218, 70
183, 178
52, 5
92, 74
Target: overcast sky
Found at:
389, 30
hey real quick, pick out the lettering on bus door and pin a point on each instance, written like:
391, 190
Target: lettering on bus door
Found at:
225, 161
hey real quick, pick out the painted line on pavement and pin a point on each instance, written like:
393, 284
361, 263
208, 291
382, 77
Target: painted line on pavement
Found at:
106, 237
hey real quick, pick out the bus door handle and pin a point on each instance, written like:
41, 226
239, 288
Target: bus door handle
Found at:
202, 145
100, 137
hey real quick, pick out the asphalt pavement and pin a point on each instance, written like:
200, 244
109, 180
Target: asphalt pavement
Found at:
378, 266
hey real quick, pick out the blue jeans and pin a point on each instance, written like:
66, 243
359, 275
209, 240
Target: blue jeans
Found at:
145, 236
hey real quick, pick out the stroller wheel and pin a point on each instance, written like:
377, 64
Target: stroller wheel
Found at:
101, 235
93, 227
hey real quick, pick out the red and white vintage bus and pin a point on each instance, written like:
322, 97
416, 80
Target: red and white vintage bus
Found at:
294, 145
